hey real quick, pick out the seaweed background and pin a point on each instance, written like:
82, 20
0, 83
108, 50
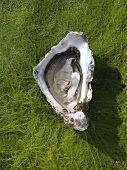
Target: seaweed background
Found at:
32, 136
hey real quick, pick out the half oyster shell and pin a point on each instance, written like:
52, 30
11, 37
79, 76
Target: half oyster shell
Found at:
65, 76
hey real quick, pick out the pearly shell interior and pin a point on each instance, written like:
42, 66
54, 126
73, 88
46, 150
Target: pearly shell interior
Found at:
58, 73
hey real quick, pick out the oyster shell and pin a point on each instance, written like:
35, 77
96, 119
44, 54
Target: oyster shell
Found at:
65, 76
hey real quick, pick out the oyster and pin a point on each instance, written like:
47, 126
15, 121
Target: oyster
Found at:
65, 76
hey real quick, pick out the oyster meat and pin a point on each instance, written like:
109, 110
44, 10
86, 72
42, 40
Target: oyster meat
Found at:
65, 76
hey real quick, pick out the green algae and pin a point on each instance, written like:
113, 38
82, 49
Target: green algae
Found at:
32, 136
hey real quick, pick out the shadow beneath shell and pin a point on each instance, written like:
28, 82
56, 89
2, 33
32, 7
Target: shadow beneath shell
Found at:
104, 121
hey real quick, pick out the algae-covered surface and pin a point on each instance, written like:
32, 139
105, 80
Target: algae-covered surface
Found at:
32, 136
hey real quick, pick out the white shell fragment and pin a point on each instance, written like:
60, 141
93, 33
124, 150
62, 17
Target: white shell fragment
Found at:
65, 76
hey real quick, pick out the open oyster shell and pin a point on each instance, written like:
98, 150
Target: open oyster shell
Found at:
65, 76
